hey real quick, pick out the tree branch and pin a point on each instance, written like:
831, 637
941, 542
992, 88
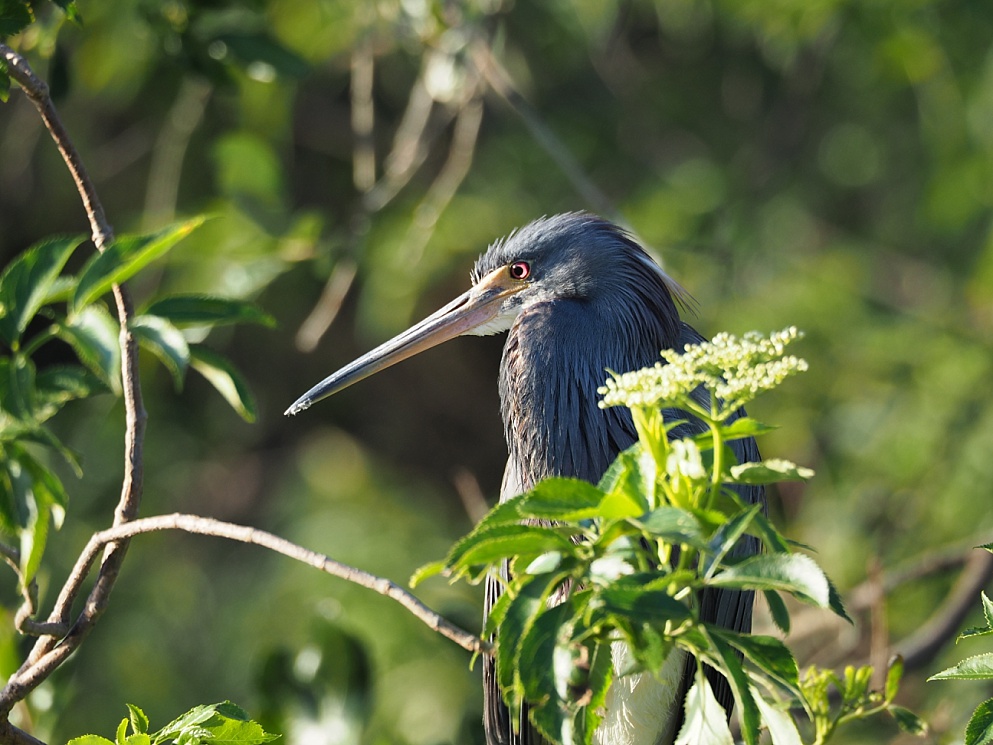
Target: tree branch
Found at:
48, 652
253, 536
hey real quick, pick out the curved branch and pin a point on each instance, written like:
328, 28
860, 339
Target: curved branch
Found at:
253, 536
48, 653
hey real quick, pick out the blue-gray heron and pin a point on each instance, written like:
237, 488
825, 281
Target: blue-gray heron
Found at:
578, 297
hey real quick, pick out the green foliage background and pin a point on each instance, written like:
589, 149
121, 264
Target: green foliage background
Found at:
823, 163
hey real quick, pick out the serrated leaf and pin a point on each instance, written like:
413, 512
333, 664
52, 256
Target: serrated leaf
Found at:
777, 609
979, 667
56, 386
782, 728
907, 720
166, 342
93, 335
26, 282
15, 16
987, 546
563, 499
90, 740
207, 310
743, 427
506, 541
139, 738
221, 724
705, 722
987, 610
125, 257
674, 526
122, 731
221, 374
633, 597
794, 573
769, 472
521, 612
139, 722
728, 535
893, 676
979, 731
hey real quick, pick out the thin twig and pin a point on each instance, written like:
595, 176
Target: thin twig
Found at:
363, 116
502, 84
322, 316
48, 652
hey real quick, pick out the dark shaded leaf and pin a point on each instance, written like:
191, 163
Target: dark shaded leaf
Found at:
778, 611
908, 720
56, 386
207, 310
767, 653
221, 374
27, 281
166, 342
260, 47
745, 703
17, 387
15, 16
125, 257
768, 472
637, 598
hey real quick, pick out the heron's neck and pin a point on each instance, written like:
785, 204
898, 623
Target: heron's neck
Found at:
556, 356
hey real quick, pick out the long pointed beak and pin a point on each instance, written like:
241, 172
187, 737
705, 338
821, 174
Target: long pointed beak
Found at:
469, 312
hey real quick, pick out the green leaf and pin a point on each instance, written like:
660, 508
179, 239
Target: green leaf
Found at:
93, 335
17, 387
424, 572
794, 573
979, 667
636, 597
741, 427
782, 728
15, 16
747, 709
893, 675
705, 722
223, 724
907, 720
728, 535
260, 47
987, 546
767, 653
139, 722
56, 386
769, 472
627, 484
4, 83
123, 258
45, 437
70, 9
987, 610
90, 740
979, 731
481, 548
26, 282
562, 499
122, 731
207, 310
166, 342
778, 611
221, 374
521, 612
674, 526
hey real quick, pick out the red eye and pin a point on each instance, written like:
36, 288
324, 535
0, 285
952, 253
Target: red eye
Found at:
520, 270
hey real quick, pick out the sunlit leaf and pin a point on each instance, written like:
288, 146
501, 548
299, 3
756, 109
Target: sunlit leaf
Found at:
506, 541
767, 653
979, 667
634, 597
90, 740
782, 728
26, 282
207, 310
793, 573
705, 722
893, 675
166, 342
769, 472
675, 526
125, 257
517, 620
93, 335
221, 374
562, 499
222, 723
979, 731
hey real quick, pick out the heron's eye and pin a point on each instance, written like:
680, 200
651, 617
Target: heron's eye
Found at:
520, 270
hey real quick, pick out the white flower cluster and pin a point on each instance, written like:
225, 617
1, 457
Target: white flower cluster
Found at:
735, 370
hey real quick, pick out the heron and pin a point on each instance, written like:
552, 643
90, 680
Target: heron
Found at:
577, 296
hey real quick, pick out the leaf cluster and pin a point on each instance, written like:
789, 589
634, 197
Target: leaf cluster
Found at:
624, 564
208, 724
39, 304
979, 730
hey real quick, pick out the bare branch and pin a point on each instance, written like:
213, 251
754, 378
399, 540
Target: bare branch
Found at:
322, 316
48, 653
243, 534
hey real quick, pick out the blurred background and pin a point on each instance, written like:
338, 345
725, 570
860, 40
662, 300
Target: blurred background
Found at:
820, 163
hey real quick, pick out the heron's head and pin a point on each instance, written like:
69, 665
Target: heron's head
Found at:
573, 256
